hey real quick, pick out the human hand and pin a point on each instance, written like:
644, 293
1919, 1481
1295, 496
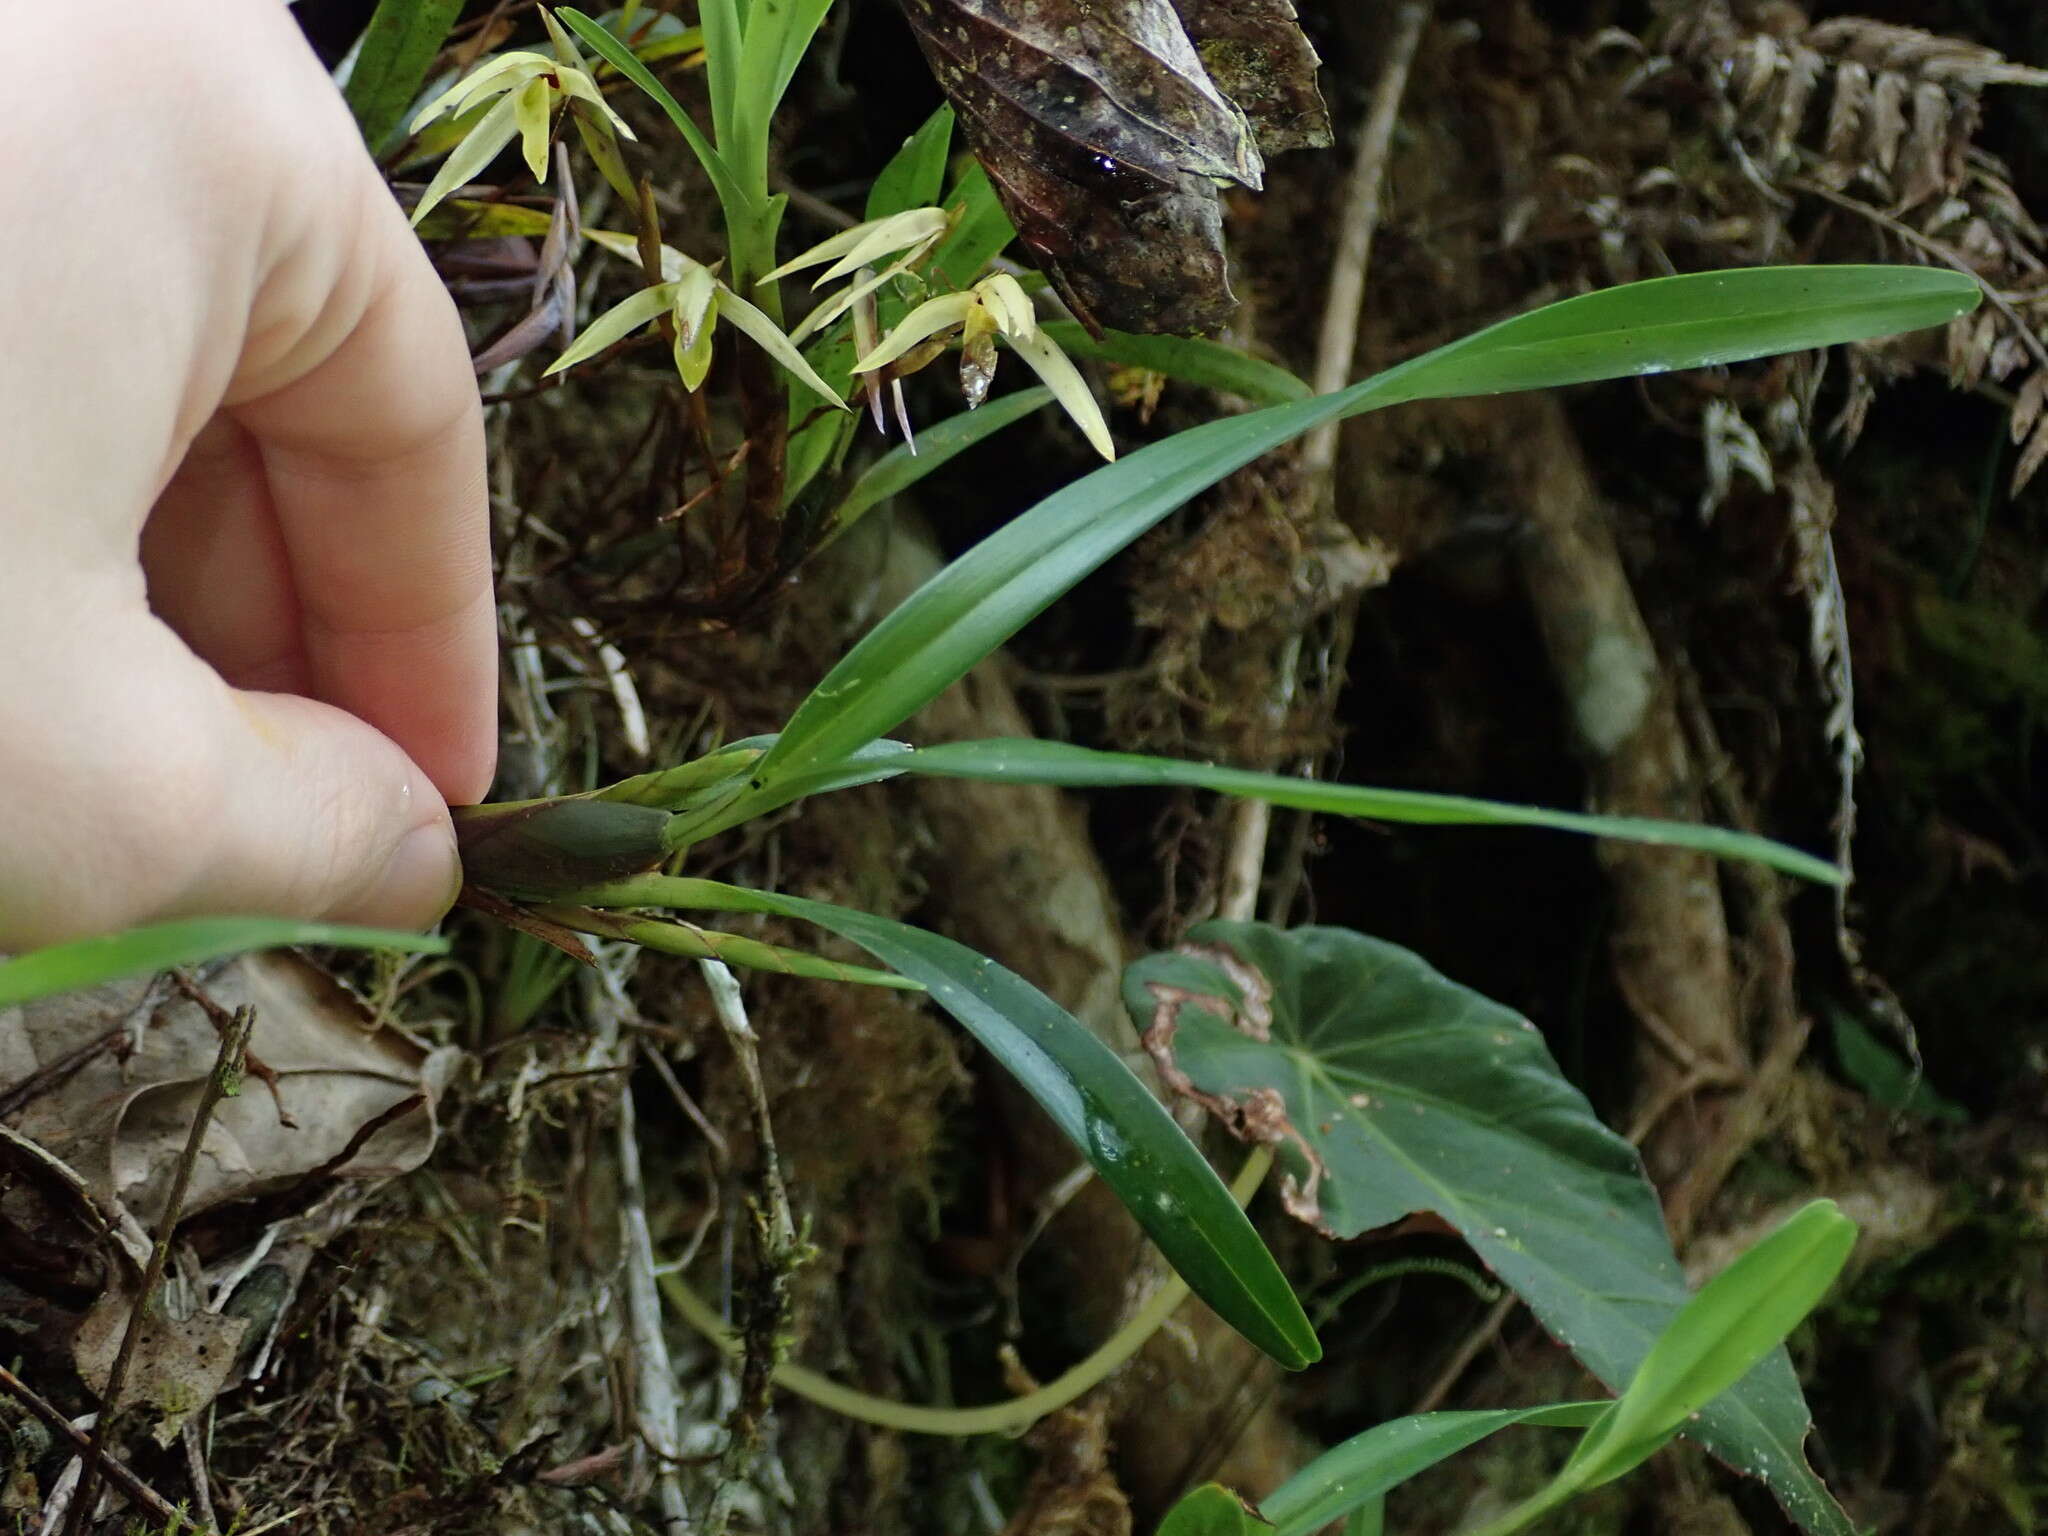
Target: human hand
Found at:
246, 623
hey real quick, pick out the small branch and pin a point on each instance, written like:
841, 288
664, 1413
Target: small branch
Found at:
1948, 255
660, 1407
1463, 1356
87, 1446
1336, 352
1337, 342
781, 1252
223, 1082
194, 1437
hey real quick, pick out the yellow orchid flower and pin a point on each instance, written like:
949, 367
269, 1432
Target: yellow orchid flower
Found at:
995, 306
531, 86
691, 294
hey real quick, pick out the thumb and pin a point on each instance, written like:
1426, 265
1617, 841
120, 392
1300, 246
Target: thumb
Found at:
323, 816
142, 786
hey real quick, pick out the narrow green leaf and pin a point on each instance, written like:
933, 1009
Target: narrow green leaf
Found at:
1737, 1320
190, 941
1213, 1510
1670, 323
1131, 1141
805, 17
774, 36
738, 203
1885, 1075
723, 49
1349, 1476
916, 173
398, 49
979, 601
1025, 760
671, 936
938, 445
670, 789
1191, 359
872, 764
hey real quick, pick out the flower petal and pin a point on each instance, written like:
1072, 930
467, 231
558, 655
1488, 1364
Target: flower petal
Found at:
928, 319
564, 44
695, 302
574, 82
531, 111
693, 357
865, 243
737, 311
603, 149
616, 323
480, 82
627, 248
1060, 376
862, 287
493, 131
1004, 295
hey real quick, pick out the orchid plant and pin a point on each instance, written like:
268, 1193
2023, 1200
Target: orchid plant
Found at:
610, 863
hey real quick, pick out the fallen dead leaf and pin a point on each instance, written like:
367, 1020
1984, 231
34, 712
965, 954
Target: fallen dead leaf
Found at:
334, 1100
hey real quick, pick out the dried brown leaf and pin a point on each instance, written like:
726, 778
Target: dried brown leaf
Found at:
1908, 50
2032, 457
1847, 110
122, 1118
2028, 405
1105, 139
1259, 57
1886, 129
178, 1366
1924, 170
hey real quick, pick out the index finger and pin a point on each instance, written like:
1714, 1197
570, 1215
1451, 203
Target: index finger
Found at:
374, 457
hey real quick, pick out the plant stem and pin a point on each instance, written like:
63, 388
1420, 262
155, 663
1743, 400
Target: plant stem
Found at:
996, 1418
1530, 1510
223, 1082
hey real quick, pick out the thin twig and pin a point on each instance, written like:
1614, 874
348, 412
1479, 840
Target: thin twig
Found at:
1336, 352
768, 1314
223, 1082
660, 1406
732, 1014
1337, 341
194, 1436
1946, 254
144, 1496
1463, 1356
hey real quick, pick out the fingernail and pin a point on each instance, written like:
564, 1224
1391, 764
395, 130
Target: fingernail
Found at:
420, 883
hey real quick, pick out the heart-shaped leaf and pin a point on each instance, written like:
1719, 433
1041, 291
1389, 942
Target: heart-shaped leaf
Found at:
1387, 1089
